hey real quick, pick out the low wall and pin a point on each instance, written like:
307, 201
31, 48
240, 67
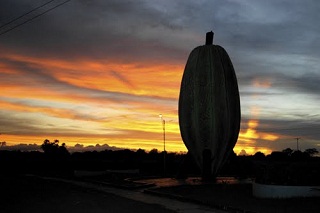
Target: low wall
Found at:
280, 191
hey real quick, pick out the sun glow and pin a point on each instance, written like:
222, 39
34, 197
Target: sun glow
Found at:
249, 136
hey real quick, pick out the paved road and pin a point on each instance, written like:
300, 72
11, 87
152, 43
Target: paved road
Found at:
31, 194
46, 196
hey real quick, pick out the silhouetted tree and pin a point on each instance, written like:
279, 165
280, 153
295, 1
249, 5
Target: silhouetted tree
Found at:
287, 151
259, 156
278, 156
298, 155
154, 152
53, 149
311, 151
141, 154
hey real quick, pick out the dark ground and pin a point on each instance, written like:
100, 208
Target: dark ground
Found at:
238, 198
22, 194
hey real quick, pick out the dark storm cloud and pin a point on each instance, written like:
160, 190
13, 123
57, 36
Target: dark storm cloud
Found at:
104, 29
276, 26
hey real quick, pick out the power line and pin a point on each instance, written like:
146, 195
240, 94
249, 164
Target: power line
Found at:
34, 17
27, 13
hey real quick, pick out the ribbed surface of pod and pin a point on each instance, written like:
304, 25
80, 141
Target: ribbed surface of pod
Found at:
209, 105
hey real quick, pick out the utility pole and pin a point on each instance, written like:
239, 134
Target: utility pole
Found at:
297, 143
164, 143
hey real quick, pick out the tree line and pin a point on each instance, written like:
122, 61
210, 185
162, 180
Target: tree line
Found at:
286, 166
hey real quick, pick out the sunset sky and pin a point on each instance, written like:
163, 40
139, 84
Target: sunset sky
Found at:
101, 71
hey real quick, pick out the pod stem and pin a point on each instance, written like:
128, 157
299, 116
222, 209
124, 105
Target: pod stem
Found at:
209, 38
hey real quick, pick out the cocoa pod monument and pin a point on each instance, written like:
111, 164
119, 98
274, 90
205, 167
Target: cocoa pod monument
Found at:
209, 107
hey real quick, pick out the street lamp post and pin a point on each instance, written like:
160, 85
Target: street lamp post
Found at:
163, 121
297, 144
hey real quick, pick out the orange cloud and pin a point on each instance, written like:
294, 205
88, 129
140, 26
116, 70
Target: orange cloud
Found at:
248, 139
146, 79
262, 83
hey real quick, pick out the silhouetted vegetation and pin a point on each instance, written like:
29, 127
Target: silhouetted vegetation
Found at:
285, 167
54, 150
289, 167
